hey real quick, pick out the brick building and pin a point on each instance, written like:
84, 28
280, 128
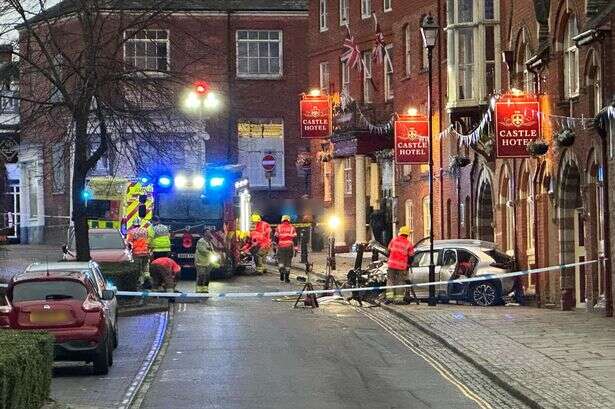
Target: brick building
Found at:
544, 210
251, 54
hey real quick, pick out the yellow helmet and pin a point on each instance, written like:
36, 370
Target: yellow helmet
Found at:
286, 218
255, 218
405, 231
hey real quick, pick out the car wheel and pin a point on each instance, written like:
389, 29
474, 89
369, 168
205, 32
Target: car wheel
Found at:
110, 349
484, 294
115, 336
101, 360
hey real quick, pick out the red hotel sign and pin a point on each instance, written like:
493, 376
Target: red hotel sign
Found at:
411, 140
315, 117
517, 123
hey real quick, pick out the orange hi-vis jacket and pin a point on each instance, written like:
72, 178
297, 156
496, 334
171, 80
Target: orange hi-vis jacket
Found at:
400, 249
261, 235
285, 233
137, 237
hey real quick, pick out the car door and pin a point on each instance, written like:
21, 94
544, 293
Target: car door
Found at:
446, 270
110, 305
419, 270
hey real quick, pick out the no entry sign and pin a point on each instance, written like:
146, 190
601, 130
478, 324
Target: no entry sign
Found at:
517, 123
411, 140
268, 162
315, 117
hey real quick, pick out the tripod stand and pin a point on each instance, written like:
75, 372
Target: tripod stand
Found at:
310, 300
330, 280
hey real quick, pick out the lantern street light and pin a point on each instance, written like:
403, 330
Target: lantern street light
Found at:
429, 32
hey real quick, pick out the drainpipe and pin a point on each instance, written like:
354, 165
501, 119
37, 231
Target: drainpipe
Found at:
440, 18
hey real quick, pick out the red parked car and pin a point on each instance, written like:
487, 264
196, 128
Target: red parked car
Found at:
66, 304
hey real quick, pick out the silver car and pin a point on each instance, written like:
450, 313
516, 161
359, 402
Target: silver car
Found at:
462, 258
92, 269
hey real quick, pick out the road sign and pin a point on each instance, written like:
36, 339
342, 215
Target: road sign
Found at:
268, 162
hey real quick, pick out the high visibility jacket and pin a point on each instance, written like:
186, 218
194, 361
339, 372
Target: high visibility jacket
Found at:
285, 233
203, 254
400, 249
261, 235
138, 239
160, 239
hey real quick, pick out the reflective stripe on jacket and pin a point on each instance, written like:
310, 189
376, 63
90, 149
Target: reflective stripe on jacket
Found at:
285, 233
400, 249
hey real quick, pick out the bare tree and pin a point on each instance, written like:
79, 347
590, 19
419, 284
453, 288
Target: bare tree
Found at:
78, 92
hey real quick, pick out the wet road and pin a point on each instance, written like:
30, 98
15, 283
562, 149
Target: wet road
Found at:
75, 385
261, 353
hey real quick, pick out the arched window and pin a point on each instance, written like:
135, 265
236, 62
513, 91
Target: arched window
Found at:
524, 53
426, 218
593, 81
571, 59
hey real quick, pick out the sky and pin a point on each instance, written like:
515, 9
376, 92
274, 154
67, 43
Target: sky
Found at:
8, 22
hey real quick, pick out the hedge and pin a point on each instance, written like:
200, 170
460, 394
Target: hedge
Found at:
125, 276
26, 361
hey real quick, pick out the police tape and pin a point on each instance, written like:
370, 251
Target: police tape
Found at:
338, 291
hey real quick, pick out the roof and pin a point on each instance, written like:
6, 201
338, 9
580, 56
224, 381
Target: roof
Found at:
69, 6
59, 266
54, 275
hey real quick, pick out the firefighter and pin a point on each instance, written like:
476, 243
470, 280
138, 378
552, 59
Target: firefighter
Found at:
400, 250
285, 234
159, 239
260, 242
164, 271
205, 260
137, 238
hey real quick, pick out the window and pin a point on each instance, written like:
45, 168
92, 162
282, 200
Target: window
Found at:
386, 5
422, 259
58, 164
594, 84
323, 16
366, 8
388, 73
472, 51
408, 49
368, 85
55, 95
325, 78
147, 50
9, 102
426, 218
345, 71
257, 138
327, 180
571, 59
523, 55
348, 176
259, 54
344, 12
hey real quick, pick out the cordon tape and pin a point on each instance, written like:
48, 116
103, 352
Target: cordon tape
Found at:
336, 291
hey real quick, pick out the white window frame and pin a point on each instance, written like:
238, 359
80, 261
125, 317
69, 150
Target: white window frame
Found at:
477, 87
323, 16
345, 70
324, 77
571, 59
368, 89
389, 75
348, 179
366, 9
156, 72
408, 49
426, 221
387, 5
279, 75
344, 12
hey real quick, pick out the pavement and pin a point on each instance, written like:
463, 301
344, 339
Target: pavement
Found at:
263, 353
547, 358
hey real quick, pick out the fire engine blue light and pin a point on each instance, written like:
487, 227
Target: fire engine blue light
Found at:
86, 194
164, 181
216, 181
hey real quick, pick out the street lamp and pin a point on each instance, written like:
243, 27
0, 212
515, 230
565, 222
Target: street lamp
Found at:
429, 32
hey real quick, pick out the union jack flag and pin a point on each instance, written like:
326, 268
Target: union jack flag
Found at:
379, 46
351, 54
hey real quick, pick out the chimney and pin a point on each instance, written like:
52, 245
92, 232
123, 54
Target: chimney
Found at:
6, 53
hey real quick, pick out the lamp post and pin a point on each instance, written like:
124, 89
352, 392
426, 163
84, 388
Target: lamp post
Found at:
429, 32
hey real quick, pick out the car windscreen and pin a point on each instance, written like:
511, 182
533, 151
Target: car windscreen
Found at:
49, 290
106, 241
187, 206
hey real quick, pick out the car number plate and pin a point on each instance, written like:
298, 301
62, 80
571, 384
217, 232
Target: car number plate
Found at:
185, 255
48, 316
